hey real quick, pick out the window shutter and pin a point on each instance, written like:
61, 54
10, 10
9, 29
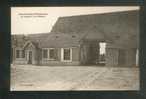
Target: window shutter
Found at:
45, 53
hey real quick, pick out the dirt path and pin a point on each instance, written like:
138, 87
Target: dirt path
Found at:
73, 78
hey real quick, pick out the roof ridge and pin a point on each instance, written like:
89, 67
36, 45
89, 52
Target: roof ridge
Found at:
97, 14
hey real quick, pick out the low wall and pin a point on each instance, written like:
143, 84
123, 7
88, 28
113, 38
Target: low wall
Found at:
58, 63
20, 61
24, 62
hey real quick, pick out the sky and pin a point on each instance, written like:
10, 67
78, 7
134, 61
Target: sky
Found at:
31, 20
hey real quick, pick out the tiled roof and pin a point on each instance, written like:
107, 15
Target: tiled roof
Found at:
60, 40
50, 40
122, 28
18, 40
117, 26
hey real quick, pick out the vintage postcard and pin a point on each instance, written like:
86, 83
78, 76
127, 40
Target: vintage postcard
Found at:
75, 48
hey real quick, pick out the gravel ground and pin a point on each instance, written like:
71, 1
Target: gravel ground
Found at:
32, 78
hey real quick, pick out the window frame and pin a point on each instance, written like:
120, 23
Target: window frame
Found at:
62, 55
48, 54
20, 53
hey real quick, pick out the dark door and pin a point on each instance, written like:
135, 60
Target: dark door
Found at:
122, 57
30, 57
94, 53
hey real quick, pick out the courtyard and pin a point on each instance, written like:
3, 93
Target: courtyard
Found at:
52, 78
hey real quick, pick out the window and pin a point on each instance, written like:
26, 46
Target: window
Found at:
73, 36
45, 53
20, 53
50, 53
66, 54
17, 53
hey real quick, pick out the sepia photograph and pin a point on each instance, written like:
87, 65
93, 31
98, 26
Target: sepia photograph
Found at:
75, 48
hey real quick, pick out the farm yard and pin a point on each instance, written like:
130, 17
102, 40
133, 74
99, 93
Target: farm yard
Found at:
49, 78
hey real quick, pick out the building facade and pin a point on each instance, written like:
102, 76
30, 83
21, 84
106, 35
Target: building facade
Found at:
75, 40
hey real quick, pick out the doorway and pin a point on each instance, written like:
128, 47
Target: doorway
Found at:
30, 57
93, 53
121, 57
102, 52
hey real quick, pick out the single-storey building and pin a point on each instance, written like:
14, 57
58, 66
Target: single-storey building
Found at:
75, 40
